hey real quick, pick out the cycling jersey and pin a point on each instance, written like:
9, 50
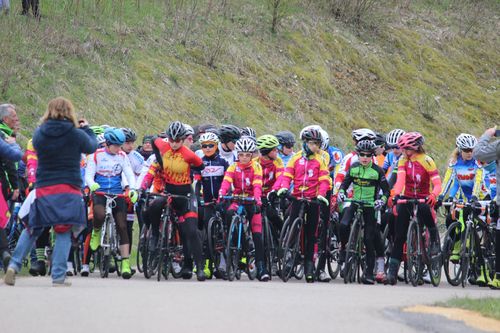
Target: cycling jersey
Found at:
309, 174
136, 162
460, 179
177, 164
336, 156
390, 162
285, 158
212, 176
490, 179
229, 156
367, 182
107, 170
343, 168
246, 180
415, 176
272, 170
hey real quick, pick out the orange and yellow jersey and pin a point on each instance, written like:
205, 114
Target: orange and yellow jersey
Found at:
177, 164
272, 170
415, 175
245, 179
153, 177
310, 175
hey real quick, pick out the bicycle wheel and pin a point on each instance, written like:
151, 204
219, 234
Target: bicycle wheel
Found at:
434, 264
468, 253
414, 253
332, 252
268, 246
232, 249
104, 260
176, 253
281, 244
161, 248
141, 247
291, 251
352, 257
452, 262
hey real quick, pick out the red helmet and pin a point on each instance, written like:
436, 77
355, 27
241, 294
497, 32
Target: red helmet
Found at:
411, 140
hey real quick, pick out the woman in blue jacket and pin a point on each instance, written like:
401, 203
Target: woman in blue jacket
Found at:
59, 141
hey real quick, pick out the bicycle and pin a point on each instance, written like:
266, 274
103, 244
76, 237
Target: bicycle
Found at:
419, 251
291, 243
355, 249
110, 244
217, 239
239, 243
471, 234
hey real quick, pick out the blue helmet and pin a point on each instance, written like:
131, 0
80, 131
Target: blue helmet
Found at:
114, 136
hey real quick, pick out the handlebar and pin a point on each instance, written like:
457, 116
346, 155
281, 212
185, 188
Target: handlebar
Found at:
410, 201
110, 195
238, 198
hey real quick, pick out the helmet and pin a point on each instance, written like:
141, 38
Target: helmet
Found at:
130, 135
176, 131
379, 139
105, 126
228, 133
189, 129
266, 143
100, 139
325, 142
411, 140
286, 138
363, 134
312, 132
393, 137
466, 141
97, 130
114, 136
248, 131
147, 138
209, 137
366, 146
245, 144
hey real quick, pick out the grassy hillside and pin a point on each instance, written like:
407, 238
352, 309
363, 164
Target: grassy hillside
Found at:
422, 65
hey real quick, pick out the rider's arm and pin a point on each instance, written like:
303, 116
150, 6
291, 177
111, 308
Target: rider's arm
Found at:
194, 160
449, 178
257, 182
90, 170
478, 182
127, 171
228, 180
384, 185
324, 178
148, 178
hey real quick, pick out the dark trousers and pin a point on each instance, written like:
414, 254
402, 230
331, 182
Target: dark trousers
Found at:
34, 5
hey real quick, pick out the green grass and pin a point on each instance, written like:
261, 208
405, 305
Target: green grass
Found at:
126, 66
489, 307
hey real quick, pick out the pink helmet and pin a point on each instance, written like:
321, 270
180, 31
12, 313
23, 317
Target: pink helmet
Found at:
411, 140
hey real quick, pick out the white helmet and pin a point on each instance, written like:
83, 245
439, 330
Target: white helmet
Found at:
466, 141
189, 129
209, 137
245, 144
325, 139
363, 134
393, 137
100, 139
309, 127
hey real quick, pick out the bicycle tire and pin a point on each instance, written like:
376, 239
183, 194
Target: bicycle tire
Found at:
141, 248
281, 244
332, 252
268, 246
103, 260
232, 256
162, 243
351, 259
291, 249
450, 237
435, 264
176, 253
467, 253
414, 254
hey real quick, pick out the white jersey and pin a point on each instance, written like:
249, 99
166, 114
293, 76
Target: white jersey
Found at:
230, 156
136, 162
144, 170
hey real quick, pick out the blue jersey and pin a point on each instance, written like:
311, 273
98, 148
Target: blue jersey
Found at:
336, 156
490, 179
285, 158
460, 178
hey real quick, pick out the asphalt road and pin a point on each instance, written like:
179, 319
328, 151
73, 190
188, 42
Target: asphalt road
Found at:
140, 305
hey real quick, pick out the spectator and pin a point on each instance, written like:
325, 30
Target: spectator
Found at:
57, 198
5, 5
487, 151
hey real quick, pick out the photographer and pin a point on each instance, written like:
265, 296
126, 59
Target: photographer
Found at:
487, 151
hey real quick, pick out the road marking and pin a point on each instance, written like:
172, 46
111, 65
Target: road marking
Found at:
470, 318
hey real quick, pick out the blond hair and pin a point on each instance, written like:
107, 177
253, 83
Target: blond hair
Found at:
62, 109
454, 156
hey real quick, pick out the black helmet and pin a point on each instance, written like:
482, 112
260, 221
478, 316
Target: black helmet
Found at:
228, 133
130, 135
379, 139
366, 146
176, 131
285, 138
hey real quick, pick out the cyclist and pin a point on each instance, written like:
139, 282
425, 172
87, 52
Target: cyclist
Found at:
416, 173
248, 131
308, 170
287, 141
176, 162
189, 140
146, 150
104, 172
245, 177
380, 152
228, 135
210, 180
368, 180
393, 155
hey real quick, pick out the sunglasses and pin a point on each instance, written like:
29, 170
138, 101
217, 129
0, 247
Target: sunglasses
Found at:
365, 155
245, 154
172, 140
467, 150
289, 146
210, 145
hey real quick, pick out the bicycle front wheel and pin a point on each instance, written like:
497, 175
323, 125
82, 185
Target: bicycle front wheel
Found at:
452, 260
332, 251
414, 253
232, 249
352, 256
291, 251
